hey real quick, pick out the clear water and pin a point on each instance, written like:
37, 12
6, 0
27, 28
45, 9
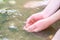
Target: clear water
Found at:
12, 26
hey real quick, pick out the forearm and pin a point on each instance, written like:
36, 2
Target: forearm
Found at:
51, 7
55, 17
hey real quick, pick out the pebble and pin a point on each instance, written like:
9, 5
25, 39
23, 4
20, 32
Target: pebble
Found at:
12, 2
5, 39
1, 1
11, 11
13, 27
3, 11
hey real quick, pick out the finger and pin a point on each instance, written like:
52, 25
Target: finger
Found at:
38, 26
34, 18
31, 28
48, 21
45, 23
29, 20
36, 30
32, 22
34, 26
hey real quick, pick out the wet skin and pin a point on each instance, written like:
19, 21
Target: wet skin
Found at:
40, 21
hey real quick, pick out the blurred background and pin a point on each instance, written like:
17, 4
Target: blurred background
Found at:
12, 20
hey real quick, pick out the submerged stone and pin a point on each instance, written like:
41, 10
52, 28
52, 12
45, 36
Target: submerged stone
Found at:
5, 39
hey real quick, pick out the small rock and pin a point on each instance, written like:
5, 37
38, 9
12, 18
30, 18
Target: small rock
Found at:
3, 11
1, 1
11, 11
12, 2
5, 39
13, 27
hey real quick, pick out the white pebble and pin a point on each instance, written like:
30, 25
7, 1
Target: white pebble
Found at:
12, 26
11, 11
5, 39
1, 1
20, 14
12, 2
3, 11
14, 16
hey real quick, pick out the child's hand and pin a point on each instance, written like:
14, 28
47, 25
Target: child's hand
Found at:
42, 24
34, 18
41, 18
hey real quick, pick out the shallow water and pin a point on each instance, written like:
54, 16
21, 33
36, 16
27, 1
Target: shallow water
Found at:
13, 28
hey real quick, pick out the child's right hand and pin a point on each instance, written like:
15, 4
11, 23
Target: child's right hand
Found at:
34, 18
